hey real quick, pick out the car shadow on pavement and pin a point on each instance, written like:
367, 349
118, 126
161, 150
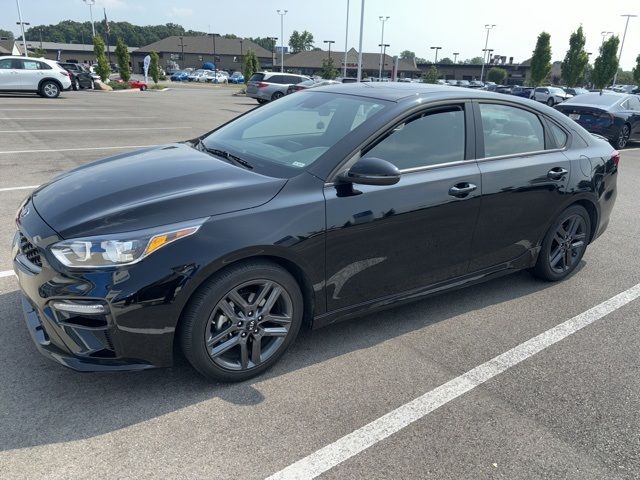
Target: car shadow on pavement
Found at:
43, 403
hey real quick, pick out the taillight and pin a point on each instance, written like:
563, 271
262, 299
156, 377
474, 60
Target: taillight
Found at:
615, 157
262, 85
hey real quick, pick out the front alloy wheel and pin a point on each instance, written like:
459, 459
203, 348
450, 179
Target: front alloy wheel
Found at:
50, 90
241, 321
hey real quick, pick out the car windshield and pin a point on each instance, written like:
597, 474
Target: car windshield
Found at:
290, 134
556, 90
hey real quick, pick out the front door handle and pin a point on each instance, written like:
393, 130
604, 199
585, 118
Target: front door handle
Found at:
461, 190
557, 173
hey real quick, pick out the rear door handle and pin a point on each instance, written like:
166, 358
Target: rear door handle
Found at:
557, 173
461, 190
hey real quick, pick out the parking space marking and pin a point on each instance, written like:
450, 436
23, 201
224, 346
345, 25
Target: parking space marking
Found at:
75, 149
7, 273
119, 129
346, 447
9, 189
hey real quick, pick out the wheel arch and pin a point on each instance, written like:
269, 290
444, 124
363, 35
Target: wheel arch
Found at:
591, 209
48, 79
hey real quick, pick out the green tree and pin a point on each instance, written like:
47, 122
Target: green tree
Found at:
474, 61
251, 65
445, 61
585, 78
6, 34
431, 75
122, 53
407, 55
102, 69
38, 52
576, 59
636, 71
154, 67
624, 78
264, 42
300, 42
541, 60
329, 71
606, 65
497, 75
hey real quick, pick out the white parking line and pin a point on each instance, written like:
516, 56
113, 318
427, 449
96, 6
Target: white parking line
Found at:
7, 273
9, 189
372, 433
76, 149
74, 130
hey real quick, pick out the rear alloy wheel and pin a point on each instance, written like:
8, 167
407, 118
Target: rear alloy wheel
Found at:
242, 321
50, 89
564, 245
623, 138
551, 102
277, 95
76, 84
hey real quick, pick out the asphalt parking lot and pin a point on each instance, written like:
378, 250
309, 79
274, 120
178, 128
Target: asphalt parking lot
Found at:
568, 411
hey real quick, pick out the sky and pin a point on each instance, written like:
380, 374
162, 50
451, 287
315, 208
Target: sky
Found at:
416, 25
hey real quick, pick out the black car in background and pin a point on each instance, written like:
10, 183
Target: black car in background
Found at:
615, 116
333, 202
519, 91
80, 75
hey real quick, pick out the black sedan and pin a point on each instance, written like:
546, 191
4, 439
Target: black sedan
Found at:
80, 75
615, 116
330, 203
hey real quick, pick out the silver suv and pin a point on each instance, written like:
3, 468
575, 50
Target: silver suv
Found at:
550, 95
268, 86
23, 74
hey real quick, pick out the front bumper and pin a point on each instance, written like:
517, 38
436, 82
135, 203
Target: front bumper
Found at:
142, 304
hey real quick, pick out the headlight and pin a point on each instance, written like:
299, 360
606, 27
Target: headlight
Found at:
122, 248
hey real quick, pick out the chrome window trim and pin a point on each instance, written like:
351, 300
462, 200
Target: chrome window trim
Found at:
522, 154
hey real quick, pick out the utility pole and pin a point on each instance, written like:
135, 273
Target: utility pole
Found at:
329, 42
615, 77
215, 62
383, 20
22, 24
284, 12
346, 43
455, 57
273, 50
182, 45
486, 43
384, 55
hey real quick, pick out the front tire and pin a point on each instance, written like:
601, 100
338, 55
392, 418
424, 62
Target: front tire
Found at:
76, 84
564, 245
241, 321
551, 102
277, 95
49, 89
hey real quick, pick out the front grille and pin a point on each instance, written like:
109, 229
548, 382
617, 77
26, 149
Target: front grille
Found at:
30, 251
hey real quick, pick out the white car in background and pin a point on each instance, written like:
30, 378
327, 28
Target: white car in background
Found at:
24, 74
550, 95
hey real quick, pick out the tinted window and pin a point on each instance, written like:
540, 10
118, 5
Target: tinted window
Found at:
431, 139
257, 77
559, 134
7, 63
634, 103
510, 130
34, 65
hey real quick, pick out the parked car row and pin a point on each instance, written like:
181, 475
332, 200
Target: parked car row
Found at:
204, 75
268, 86
44, 77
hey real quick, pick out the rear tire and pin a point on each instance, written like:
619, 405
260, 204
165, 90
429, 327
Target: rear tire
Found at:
76, 84
277, 95
49, 89
261, 101
551, 102
564, 245
239, 323
623, 137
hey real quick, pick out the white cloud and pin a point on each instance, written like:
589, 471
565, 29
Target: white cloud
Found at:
181, 12
116, 4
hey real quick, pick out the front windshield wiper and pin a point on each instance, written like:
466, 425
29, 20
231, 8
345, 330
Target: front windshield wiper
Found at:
231, 158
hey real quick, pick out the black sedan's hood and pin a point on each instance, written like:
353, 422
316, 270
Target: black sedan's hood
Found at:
150, 187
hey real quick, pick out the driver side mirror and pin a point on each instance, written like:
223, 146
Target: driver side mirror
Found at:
371, 171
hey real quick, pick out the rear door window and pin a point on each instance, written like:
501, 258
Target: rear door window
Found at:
257, 77
510, 130
6, 64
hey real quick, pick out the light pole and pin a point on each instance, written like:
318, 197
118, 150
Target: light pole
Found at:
383, 20
436, 49
346, 43
360, 42
215, 63
91, 3
22, 24
329, 42
604, 36
384, 52
182, 45
273, 50
615, 77
486, 43
282, 14
455, 57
